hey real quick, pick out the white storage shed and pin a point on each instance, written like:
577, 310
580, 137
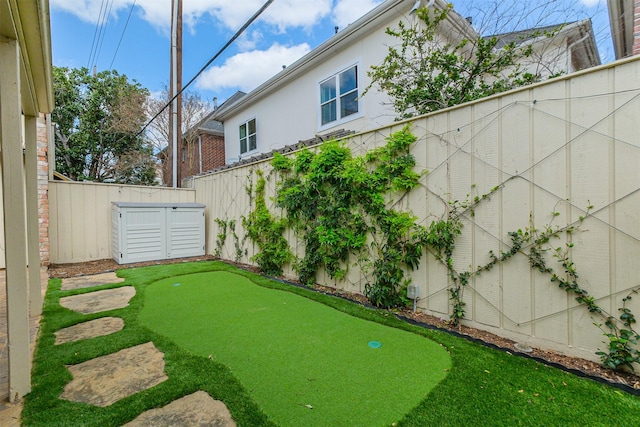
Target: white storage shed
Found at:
156, 231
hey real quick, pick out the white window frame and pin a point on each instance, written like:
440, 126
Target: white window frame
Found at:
336, 76
248, 136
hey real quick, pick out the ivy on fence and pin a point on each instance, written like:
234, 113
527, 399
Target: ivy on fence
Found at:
342, 207
221, 238
266, 231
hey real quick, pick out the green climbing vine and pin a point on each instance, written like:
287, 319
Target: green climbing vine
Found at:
344, 207
238, 244
535, 243
266, 232
221, 237
622, 337
224, 227
441, 238
337, 204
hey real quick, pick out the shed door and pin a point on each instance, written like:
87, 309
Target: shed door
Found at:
186, 232
143, 234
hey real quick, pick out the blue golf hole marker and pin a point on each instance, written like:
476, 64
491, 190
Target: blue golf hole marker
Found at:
176, 284
375, 344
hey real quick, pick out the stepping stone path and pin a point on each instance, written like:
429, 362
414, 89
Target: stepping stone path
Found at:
197, 409
90, 329
105, 380
80, 282
95, 302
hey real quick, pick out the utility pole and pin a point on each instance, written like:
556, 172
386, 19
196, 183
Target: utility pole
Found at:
175, 109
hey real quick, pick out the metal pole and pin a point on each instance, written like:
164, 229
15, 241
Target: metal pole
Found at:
173, 110
178, 109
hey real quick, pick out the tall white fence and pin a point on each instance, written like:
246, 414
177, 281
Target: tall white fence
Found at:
80, 215
554, 149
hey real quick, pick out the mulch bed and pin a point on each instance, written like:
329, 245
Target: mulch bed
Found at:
623, 380
107, 265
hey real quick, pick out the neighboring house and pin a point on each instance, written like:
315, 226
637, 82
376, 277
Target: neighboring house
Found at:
26, 91
321, 92
201, 149
624, 16
572, 48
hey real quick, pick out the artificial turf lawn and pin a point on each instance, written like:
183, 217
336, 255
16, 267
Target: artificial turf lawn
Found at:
484, 386
304, 363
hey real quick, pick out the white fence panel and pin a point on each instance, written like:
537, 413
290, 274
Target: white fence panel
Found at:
80, 215
552, 150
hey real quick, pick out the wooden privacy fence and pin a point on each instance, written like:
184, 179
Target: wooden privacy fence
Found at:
552, 149
80, 215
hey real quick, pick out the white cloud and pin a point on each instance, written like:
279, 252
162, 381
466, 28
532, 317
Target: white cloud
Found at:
88, 10
230, 13
247, 70
348, 11
297, 13
249, 40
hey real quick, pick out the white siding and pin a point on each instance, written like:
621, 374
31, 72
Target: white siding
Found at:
291, 114
287, 110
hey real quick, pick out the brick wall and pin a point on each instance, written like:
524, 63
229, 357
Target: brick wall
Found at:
189, 158
212, 152
43, 187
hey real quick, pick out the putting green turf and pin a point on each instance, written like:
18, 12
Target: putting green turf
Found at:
304, 363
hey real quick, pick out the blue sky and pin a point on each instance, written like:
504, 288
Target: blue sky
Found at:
285, 32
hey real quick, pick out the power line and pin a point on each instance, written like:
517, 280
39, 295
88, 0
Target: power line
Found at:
95, 33
104, 31
103, 18
213, 58
122, 35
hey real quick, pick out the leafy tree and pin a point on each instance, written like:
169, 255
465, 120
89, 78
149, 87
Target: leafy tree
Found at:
98, 119
426, 73
194, 109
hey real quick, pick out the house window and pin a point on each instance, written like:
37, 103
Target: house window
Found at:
339, 96
248, 140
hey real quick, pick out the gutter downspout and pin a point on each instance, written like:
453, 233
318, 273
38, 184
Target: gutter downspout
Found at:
200, 150
570, 50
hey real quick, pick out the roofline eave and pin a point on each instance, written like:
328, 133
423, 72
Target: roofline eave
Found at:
329, 47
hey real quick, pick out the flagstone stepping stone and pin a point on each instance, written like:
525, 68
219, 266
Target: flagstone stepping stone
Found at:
90, 329
81, 282
94, 302
107, 379
197, 409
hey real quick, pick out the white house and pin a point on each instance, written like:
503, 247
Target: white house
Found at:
572, 47
321, 92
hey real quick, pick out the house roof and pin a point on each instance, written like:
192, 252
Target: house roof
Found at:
232, 99
212, 126
369, 22
522, 36
209, 124
28, 23
578, 33
318, 139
